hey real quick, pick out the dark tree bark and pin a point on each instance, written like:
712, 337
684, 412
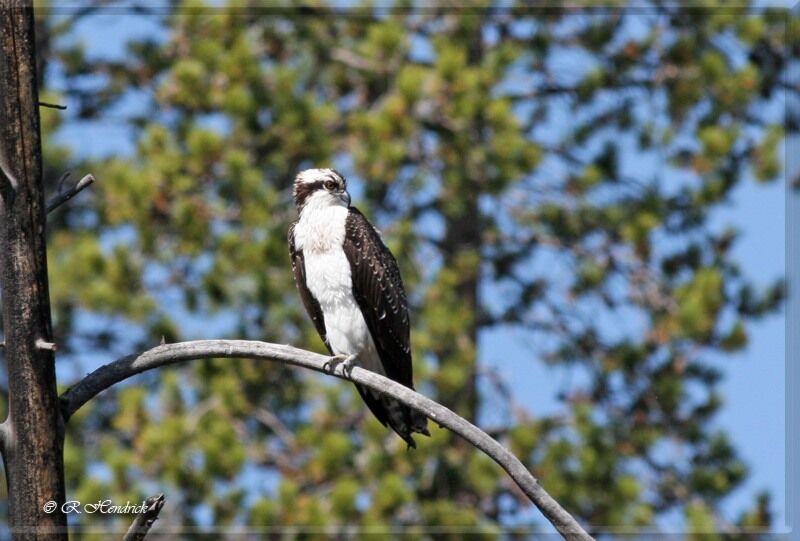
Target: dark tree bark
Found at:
33, 432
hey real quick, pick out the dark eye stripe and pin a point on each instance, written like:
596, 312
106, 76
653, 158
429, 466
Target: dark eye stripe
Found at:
302, 191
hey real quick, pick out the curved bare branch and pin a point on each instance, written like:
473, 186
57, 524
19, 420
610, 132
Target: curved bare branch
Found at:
166, 354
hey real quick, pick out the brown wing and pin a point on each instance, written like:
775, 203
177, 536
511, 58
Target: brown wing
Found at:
312, 306
378, 290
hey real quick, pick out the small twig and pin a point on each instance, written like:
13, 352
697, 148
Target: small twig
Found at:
352, 60
168, 354
61, 181
145, 519
45, 345
271, 421
3, 437
194, 417
52, 105
63, 197
7, 178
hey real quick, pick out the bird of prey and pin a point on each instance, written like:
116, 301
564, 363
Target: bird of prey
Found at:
350, 285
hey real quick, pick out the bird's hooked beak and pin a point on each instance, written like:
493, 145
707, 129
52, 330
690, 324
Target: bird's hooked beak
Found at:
345, 197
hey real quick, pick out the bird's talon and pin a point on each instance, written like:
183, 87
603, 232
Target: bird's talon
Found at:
345, 360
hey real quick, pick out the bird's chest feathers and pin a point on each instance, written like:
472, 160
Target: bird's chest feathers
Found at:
320, 230
320, 235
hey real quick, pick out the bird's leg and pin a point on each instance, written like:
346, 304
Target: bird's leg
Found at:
345, 360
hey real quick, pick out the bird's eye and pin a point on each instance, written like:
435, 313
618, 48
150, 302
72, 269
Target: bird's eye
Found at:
329, 185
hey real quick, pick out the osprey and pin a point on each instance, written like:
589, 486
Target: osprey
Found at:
350, 285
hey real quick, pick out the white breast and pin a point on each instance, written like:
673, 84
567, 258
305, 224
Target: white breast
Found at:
320, 234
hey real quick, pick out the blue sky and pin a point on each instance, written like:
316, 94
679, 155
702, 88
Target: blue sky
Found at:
754, 386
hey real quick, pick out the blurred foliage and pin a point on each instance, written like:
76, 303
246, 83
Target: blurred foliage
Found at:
552, 170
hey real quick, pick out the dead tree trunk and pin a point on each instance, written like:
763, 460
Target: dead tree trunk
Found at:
33, 433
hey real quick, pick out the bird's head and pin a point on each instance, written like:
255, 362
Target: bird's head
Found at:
320, 187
